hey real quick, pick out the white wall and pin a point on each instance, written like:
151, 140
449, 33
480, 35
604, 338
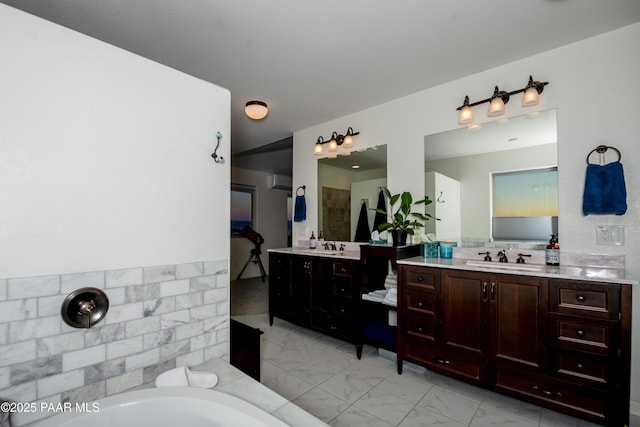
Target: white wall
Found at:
271, 222
106, 180
591, 85
104, 156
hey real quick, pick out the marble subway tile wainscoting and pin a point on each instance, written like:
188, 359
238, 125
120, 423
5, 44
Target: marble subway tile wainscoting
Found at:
159, 317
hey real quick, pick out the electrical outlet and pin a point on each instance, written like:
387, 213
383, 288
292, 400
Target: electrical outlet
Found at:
610, 235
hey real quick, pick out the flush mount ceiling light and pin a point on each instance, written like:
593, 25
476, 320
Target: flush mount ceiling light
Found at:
336, 141
499, 98
256, 110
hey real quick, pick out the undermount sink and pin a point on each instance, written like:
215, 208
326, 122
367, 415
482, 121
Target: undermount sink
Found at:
505, 266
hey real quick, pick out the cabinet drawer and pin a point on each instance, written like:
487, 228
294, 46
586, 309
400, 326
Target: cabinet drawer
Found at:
420, 326
455, 364
344, 287
342, 269
419, 302
425, 279
344, 307
600, 300
580, 367
582, 333
570, 398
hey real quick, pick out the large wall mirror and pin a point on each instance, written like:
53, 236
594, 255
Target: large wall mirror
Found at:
347, 187
461, 167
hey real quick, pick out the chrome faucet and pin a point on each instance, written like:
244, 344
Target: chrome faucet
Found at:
502, 257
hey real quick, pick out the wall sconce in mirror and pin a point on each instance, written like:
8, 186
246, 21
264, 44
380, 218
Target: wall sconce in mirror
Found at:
337, 140
499, 98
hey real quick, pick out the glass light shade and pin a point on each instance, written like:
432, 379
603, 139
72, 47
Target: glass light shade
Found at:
466, 115
530, 97
496, 108
256, 110
348, 141
333, 146
317, 150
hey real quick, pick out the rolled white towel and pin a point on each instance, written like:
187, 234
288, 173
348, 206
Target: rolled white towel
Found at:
184, 377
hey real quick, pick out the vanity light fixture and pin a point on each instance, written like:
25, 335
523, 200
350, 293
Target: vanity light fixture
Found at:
256, 110
499, 98
337, 140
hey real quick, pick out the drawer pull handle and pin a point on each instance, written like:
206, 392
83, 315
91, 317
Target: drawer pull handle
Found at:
484, 291
419, 329
420, 279
420, 304
546, 392
580, 333
441, 361
579, 366
493, 291
580, 298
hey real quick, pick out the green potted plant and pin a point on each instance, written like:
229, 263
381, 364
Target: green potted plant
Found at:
402, 220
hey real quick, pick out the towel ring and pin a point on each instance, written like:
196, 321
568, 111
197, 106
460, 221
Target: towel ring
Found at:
601, 149
303, 188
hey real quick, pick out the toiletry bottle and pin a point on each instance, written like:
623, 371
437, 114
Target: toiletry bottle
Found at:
552, 253
320, 238
312, 241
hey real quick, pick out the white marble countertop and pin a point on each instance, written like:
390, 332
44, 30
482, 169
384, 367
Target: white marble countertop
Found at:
598, 274
346, 254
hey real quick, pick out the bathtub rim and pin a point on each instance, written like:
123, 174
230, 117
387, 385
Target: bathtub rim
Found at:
134, 396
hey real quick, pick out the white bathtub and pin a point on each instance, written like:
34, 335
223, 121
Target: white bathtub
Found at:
168, 407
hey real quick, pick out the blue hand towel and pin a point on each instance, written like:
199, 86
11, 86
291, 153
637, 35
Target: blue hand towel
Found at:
605, 192
300, 211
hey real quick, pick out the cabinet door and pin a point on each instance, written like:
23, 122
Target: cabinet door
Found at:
519, 306
280, 286
464, 312
302, 275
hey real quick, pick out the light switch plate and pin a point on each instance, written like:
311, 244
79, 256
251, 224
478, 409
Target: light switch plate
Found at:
612, 235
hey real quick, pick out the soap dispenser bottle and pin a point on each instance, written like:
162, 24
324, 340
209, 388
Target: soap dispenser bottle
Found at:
552, 253
312, 241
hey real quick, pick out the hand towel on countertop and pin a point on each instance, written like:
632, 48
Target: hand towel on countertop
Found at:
300, 210
605, 191
362, 229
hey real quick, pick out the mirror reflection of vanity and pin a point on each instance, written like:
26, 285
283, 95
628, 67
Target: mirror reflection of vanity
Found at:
342, 189
470, 157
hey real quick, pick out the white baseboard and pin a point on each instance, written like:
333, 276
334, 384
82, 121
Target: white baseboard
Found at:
634, 408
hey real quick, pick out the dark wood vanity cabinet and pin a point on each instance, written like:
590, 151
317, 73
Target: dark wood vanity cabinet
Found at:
562, 344
316, 292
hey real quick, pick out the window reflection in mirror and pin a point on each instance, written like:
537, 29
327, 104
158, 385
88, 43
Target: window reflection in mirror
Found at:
342, 190
470, 157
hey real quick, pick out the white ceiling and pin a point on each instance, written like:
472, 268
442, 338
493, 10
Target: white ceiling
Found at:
314, 61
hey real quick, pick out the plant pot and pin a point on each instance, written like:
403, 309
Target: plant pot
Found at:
398, 237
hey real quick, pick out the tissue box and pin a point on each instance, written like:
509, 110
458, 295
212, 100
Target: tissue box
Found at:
429, 250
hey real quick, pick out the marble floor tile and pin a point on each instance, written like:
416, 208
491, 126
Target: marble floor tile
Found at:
385, 406
450, 404
346, 387
322, 404
487, 416
555, 419
289, 386
495, 402
354, 417
423, 417
315, 372
411, 385
371, 370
